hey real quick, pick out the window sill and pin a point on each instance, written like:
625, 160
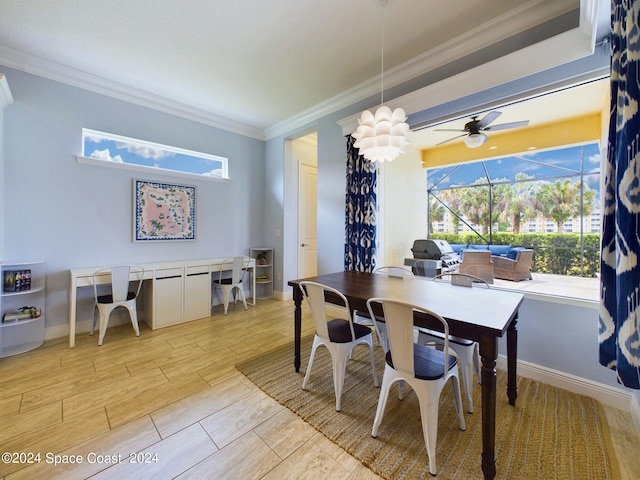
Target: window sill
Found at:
578, 291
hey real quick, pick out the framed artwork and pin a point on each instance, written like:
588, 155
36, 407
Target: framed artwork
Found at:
163, 211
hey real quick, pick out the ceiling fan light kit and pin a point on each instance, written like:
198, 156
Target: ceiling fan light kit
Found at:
474, 140
383, 136
473, 131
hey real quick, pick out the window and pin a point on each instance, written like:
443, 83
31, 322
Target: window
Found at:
548, 201
99, 148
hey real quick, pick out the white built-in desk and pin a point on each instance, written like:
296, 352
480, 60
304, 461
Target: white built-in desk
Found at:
172, 292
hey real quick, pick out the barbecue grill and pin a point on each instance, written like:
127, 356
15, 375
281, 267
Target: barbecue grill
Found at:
436, 250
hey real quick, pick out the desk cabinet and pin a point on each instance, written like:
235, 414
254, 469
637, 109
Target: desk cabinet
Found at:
172, 292
197, 293
167, 297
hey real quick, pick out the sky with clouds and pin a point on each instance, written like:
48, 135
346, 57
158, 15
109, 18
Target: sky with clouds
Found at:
146, 155
539, 165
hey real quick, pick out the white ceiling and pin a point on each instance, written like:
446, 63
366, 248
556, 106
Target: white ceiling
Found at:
253, 63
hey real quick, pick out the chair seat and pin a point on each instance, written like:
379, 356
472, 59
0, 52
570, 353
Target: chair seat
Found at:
340, 332
428, 362
109, 298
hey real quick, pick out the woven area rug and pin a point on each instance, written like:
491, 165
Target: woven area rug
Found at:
549, 434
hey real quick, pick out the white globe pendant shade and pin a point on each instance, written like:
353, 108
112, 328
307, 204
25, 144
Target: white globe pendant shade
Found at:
383, 136
474, 140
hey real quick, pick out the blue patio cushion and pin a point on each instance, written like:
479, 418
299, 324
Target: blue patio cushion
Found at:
494, 249
499, 249
458, 247
513, 252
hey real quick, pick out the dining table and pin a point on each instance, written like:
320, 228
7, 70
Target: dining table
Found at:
479, 314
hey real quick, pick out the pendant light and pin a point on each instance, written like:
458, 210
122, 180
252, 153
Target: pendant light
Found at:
382, 136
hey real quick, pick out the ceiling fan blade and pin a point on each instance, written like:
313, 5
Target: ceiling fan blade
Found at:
449, 130
457, 136
488, 118
505, 126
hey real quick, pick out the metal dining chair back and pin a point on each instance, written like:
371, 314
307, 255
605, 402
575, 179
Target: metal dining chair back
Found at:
124, 288
467, 350
338, 335
425, 369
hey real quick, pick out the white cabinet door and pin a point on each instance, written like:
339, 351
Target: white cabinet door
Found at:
167, 297
197, 293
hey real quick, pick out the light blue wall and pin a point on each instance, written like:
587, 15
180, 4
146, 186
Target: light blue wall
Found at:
2, 128
74, 215
561, 337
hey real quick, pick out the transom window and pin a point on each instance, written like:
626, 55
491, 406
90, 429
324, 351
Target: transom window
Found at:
134, 154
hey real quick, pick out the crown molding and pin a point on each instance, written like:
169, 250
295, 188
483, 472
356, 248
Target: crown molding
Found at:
5, 94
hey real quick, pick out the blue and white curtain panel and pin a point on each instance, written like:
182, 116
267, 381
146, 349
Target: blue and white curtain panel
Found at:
619, 324
360, 212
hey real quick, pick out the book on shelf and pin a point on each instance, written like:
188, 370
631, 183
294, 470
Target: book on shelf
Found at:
17, 280
14, 317
262, 278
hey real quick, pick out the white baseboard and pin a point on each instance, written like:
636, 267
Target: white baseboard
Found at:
635, 410
612, 396
83, 326
283, 295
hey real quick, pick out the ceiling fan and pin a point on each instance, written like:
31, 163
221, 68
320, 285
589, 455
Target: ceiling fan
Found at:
474, 129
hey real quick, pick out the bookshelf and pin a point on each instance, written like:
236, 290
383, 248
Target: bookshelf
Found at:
24, 286
263, 271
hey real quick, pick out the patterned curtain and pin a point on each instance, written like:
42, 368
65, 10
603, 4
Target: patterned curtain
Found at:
619, 325
360, 212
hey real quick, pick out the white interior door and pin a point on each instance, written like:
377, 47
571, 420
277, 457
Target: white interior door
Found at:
308, 221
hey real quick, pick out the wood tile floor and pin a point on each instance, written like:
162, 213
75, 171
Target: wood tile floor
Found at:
170, 404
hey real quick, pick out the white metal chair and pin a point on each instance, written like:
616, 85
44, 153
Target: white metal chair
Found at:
120, 295
233, 284
425, 369
467, 350
363, 318
395, 271
339, 335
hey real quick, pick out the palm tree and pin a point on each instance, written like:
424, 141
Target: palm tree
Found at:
436, 211
476, 206
451, 199
564, 199
518, 202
